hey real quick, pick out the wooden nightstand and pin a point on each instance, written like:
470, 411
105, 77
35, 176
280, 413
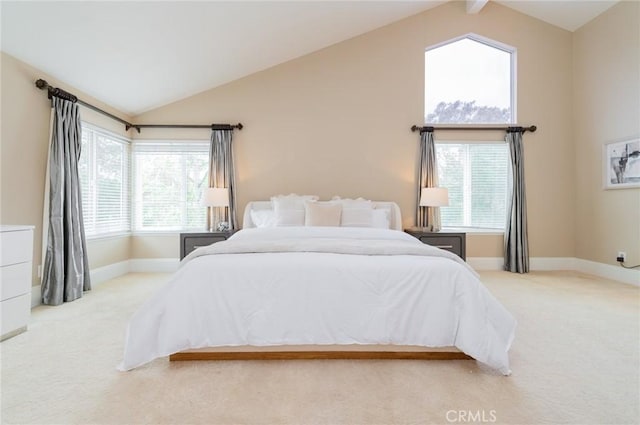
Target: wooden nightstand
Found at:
192, 240
453, 242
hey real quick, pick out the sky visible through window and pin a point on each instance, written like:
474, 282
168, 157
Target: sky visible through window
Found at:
468, 71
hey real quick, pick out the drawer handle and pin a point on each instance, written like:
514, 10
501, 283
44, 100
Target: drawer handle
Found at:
445, 246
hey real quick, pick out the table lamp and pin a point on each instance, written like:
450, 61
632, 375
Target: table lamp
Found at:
217, 198
433, 197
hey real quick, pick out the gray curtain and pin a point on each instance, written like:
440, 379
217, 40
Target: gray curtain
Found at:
516, 243
66, 267
222, 170
427, 177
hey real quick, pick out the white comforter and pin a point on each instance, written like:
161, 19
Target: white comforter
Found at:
317, 286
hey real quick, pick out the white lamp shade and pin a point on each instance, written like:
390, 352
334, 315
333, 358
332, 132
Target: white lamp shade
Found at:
215, 197
434, 197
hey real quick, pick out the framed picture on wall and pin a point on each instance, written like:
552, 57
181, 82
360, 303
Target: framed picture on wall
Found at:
622, 164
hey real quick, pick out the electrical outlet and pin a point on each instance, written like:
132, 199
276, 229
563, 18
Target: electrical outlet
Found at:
622, 257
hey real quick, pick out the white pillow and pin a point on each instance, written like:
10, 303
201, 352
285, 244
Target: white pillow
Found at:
263, 218
289, 209
285, 218
292, 200
355, 212
322, 213
380, 219
357, 217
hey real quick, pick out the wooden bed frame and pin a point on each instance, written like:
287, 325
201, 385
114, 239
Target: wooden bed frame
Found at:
365, 352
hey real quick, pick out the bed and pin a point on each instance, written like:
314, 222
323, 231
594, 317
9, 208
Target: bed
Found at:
359, 289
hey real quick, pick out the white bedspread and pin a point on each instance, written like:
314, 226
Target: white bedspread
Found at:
321, 286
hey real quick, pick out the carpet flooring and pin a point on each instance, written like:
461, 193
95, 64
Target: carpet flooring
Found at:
575, 360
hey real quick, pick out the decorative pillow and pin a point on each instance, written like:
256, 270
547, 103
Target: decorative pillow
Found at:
285, 218
263, 218
357, 217
355, 212
380, 219
289, 209
322, 213
292, 201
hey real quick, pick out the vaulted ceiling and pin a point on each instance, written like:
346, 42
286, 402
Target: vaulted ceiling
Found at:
136, 56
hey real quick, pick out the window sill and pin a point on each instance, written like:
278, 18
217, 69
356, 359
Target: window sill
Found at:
166, 232
106, 236
157, 233
475, 231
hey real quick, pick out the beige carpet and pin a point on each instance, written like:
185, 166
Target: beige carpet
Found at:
575, 360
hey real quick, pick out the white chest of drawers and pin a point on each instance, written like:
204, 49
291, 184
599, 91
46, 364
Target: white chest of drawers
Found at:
16, 248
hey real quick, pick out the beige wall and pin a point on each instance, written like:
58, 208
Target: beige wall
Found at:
606, 62
336, 122
155, 246
24, 147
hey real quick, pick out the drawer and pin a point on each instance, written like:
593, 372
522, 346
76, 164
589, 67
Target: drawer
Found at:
15, 314
15, 280
449, 243
16, 247
193, 242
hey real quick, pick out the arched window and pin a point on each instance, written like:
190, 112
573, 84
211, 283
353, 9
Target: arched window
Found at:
469, 80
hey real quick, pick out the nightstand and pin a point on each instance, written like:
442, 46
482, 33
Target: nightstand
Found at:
453, 242
192, 240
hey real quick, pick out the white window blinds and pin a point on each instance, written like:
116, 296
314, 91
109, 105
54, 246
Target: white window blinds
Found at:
104, 171
477, 176
169, 179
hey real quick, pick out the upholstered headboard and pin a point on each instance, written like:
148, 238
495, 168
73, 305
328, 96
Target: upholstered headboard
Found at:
395, 217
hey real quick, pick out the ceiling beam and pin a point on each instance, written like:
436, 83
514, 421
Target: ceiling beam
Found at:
475, 6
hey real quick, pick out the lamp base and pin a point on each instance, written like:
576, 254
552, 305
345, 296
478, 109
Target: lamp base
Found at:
426, 229
430, 229
221, 226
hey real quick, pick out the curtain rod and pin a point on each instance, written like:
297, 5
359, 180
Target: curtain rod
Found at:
239, 126
58, 92
508, 129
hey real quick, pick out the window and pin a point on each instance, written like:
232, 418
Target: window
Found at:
477, 176
470, 81
104, 173
169, 179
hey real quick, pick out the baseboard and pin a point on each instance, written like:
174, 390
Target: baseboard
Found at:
102, 274
535, 263
486, 263
150, 265
618, 273
551, 263
170, 265
606, 271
